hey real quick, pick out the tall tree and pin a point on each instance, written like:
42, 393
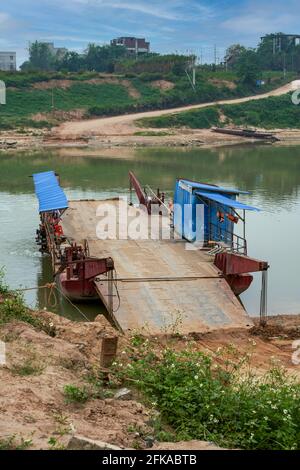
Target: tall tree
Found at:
103, 58
72, 62
40, 56
248, 67
233, 53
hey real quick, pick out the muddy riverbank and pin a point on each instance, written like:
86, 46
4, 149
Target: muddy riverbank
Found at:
204, 138
39, 366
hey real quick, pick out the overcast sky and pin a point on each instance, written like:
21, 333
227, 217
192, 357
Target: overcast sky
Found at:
170, 25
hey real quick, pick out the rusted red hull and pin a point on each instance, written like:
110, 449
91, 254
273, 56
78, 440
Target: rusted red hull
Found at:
77, 290
239, 283
236, 268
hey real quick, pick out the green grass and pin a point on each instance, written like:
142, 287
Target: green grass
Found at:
196, 119
270, 113
274, 112
14, 443
152, 133
74, 394
13, 308
26, 368
218, 399
24, 101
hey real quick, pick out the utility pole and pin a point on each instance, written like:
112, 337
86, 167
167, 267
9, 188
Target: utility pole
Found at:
284, 65
215, 54
194, 76
192, 66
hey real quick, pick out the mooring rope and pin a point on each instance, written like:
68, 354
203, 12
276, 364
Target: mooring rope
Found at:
115, 279
47, 298
50, 299
73, 305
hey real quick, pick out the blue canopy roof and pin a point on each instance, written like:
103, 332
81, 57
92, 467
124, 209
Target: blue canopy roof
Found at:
226, 201
49, 193
210, 187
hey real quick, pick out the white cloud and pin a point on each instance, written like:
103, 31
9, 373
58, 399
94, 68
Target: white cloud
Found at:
4, 19
173, 10
257, 24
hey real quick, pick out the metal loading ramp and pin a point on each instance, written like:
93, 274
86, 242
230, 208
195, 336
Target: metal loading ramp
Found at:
160, 285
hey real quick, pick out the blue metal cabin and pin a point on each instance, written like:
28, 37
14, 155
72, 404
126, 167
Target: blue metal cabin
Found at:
48, 191
219, 214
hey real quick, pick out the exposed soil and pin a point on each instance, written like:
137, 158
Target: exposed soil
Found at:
59, 116
223, 83
65, 84
125, 126
49, 85
121, 131
33, 406
163, 85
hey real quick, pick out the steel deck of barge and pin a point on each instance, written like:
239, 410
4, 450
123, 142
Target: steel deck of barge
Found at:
160, 282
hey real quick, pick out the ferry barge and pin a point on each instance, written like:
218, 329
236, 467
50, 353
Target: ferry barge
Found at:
145, 283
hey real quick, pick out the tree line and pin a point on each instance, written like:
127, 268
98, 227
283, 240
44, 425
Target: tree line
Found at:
275, 52
247, 63
94, 58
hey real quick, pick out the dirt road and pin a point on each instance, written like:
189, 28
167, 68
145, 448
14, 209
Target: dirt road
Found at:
124, 126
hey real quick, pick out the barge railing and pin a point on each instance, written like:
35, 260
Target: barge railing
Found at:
234, 243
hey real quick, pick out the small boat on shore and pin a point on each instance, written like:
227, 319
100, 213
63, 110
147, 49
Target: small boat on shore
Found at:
248, 133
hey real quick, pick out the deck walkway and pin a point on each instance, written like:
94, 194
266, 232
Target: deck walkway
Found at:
160, 282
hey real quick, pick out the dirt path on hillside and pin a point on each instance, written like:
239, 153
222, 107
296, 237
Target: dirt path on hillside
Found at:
124, 126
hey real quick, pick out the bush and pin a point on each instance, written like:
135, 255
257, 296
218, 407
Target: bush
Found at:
220, 401
196, 119
14, 443
269, 113
13, 308
75, 394
150, 77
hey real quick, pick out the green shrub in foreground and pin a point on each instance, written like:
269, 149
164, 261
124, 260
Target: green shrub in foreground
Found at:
75, 394
203, 400
12, 307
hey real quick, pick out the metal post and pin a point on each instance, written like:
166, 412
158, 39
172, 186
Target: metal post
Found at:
130, 192
263, 298
244, 227
110, 292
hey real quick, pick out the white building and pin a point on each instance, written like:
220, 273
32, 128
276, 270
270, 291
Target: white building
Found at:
8, 61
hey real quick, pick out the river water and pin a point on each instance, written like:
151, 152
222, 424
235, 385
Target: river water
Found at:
270, 173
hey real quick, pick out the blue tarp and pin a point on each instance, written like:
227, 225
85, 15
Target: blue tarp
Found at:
210, 187
50, 195
226, 201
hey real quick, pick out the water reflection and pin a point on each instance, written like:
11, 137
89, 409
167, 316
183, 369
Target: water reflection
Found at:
272, 174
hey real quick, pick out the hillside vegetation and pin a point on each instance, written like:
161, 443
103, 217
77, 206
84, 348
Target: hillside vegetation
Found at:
269, 113
44, 99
